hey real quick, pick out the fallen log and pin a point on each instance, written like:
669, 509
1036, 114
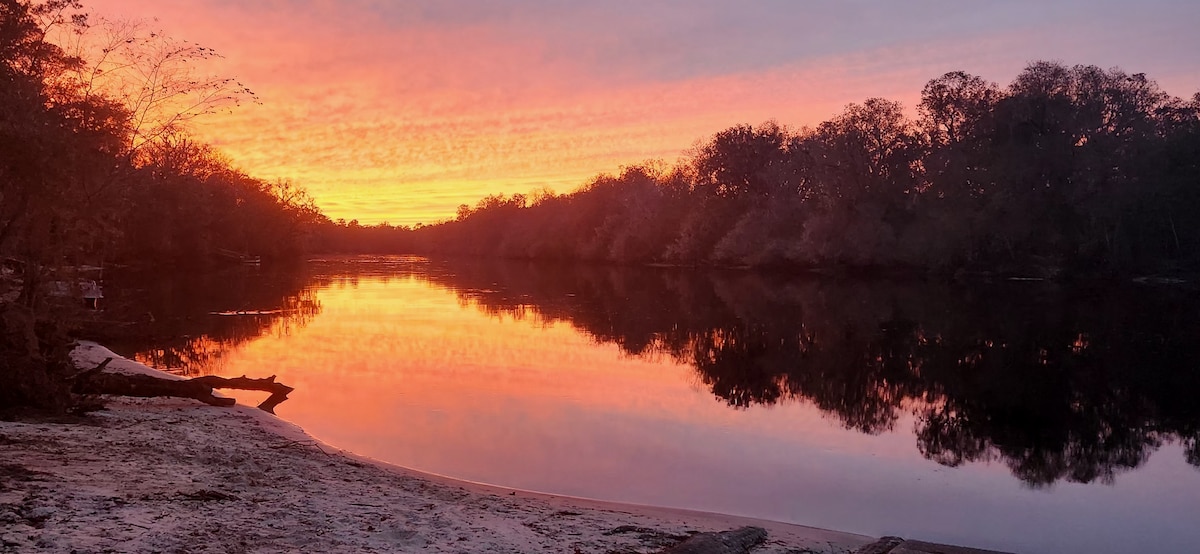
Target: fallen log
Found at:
97, 381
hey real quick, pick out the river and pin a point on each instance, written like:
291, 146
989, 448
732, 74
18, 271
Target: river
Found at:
1028, 417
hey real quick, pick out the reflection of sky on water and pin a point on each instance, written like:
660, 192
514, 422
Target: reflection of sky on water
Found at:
403, 371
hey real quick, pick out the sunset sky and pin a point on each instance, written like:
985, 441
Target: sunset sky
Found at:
401, 110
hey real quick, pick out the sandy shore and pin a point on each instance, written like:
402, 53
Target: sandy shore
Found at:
168, 475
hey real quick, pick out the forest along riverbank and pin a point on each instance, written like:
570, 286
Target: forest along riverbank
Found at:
165, 474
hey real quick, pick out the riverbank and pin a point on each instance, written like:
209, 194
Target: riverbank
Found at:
176, 475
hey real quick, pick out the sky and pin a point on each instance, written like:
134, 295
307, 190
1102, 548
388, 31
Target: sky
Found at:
399, 111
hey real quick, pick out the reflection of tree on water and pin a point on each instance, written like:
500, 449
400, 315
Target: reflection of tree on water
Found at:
1057, 384
204, 354
186, 323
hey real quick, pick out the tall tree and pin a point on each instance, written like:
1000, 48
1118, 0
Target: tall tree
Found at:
56, 146
744, 160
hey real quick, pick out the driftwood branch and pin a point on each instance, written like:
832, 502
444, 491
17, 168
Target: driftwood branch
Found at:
279, 391
96, 381
89, 372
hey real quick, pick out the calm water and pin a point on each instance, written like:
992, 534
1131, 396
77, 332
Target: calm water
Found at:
1014, 416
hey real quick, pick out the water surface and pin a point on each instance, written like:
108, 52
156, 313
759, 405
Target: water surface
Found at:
1024, 417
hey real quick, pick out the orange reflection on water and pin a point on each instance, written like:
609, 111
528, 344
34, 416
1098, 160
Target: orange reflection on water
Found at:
411, 372
406, 372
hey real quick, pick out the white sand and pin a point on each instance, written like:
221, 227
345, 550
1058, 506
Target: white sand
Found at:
175, 475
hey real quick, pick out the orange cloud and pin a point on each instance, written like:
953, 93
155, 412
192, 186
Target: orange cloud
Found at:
402, 111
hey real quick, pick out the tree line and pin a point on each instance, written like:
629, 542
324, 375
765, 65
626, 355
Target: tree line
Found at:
1068, 169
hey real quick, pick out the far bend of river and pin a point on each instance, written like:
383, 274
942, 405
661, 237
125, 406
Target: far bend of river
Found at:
1025, 417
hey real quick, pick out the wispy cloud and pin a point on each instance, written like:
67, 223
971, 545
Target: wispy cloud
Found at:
400, 111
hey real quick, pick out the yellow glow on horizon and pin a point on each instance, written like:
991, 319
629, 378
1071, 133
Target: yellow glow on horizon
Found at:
368, 163
385, 113
377, 128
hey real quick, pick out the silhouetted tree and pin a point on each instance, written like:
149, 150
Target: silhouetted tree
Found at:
1068, 170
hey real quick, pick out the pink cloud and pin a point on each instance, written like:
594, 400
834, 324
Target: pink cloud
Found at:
400, 112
